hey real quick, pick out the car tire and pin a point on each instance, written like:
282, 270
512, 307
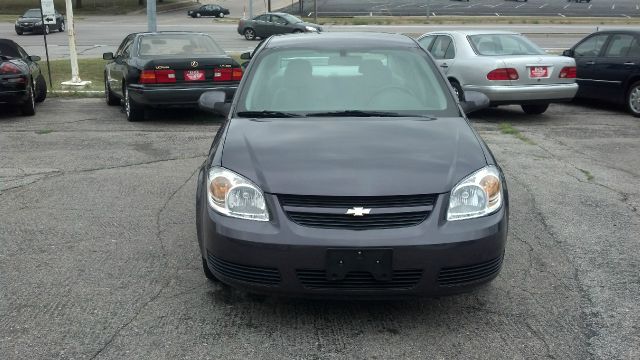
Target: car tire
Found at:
208, 273
534, 109
134, 111
633, 99
41, 89
19, 32
61, 28
221, 15
29, 106
198, 15
249, 34
110, 98
297, 31
458, 89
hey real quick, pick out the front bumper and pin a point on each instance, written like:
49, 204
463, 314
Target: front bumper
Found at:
435, 257
523, 94
29, 28
160, 96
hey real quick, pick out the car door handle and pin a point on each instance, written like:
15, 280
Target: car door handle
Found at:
590, 63
444, 65
629, 64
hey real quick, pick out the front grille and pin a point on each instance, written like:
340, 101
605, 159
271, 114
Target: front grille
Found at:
364, 201
350, 222
251, 274
460, 275
384, 212
359, 280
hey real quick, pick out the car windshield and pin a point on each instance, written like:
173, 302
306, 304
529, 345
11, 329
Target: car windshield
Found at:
348, 83
291, 19
32, 13
7, 50
504, 44
178, 45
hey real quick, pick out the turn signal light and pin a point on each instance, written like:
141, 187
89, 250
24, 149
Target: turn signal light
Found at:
222, 74
9, 68
157, 76
503, 74
236, 74
568, 72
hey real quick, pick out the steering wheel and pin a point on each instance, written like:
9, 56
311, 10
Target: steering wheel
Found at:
391, 89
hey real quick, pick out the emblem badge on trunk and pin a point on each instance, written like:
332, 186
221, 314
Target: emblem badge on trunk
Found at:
194, 63
358, 211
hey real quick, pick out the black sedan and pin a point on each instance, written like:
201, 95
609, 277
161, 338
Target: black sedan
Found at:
347, 168
608, 67
31, 21
265, 25
166, 69
21, 81
208, 10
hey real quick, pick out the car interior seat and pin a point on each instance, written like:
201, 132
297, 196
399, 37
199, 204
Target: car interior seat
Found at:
296, 86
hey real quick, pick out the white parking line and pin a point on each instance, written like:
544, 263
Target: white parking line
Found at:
637, 7
627, 16
566, 6
543, 6
448, 6
519, 5
613, 7
497, 14
561, 15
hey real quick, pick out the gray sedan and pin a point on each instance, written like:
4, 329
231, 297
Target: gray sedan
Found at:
265, 25
505, 66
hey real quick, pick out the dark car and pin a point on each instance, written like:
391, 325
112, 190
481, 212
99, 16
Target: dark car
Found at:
208, 10
31, 21
21, 81
346, 167
265, 25
166, 69
608, 67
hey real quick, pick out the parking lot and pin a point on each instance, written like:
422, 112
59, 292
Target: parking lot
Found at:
99, 256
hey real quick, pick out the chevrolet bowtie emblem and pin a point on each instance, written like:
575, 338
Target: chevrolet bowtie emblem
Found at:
358, 211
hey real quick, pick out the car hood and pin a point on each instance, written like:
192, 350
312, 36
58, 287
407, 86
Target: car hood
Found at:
310, 24
353, 156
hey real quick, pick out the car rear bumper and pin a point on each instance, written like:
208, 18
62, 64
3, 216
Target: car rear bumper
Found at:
174, 95
435, 257
13, 89
522, 94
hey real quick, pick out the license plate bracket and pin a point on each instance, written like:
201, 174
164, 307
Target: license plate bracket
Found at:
340, 262
537, 72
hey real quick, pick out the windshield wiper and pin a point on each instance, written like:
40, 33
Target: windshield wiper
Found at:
266, 114
361, 113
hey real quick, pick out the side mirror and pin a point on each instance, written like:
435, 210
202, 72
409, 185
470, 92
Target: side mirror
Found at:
34, 58
214, 102
568, 53
107, 56
245, 56
474, 101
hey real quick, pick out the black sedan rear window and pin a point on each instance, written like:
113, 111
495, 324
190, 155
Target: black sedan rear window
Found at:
178, 45
6, 50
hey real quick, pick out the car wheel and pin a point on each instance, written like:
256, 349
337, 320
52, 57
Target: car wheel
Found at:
198, 15
208, 272
133, 111
109, 97
633, 99
19, 32
458, 89
29, 106
249, 34
221, 15
61, 27
41, 89
534, 109
47, 30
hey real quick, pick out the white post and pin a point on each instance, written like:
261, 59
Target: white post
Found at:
250, 9
73, 55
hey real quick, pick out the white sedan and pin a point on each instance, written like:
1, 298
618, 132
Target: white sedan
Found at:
505, 66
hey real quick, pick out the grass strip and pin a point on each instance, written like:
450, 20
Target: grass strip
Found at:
508, 129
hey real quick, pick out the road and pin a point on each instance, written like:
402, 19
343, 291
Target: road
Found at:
99, 257
596, 8
98, 34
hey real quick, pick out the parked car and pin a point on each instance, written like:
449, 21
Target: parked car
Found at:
166, 69
265, 25
579, 1
31, 21
21, 81
608, 67
346, 168
505, 66
209, 10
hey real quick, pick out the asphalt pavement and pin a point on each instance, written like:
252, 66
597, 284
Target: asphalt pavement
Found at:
99, 257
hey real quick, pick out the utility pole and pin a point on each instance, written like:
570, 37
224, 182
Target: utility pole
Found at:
152, 24
250, 9
73, 55
315, 11
428, 9
301, 3
269, 6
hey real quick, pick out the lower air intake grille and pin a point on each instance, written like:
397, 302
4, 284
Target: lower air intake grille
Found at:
359, 280
250, 274
460, 275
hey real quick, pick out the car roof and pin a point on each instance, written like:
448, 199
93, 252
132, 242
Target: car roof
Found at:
169, 32
332, 40
475, 32
618, 31
8, 41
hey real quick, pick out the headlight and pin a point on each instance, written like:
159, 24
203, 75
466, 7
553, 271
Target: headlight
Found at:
310, 28
233, 195
39, 23
477, 195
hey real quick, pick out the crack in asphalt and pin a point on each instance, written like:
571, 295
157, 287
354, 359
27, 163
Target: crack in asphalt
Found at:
165, 283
